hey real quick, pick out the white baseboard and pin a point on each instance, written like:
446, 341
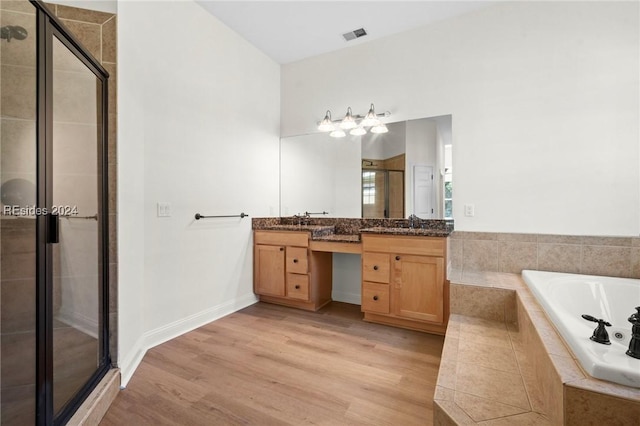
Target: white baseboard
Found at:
81, 322
172, 330
353, 298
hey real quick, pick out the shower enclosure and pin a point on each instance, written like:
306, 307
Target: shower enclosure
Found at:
53, 227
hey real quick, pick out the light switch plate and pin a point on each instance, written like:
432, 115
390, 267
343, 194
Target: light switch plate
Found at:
164, 209
469, 210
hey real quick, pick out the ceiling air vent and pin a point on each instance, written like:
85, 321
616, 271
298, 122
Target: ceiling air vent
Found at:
352, 35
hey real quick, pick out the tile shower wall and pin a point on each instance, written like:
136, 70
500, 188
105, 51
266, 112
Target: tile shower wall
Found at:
505, 252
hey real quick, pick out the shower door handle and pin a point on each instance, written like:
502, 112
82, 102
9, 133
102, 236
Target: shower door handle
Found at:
53, 228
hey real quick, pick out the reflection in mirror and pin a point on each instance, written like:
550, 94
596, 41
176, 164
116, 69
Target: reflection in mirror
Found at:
406, 171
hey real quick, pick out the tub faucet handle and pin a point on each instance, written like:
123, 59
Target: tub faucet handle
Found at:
600, 334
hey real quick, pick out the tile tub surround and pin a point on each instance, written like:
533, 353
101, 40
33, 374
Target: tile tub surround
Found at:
558, 390
353, 226
508, 252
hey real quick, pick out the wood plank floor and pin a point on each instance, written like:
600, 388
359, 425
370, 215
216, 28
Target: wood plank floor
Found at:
272, 365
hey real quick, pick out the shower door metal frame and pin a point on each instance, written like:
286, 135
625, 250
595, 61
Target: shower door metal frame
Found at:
48, 27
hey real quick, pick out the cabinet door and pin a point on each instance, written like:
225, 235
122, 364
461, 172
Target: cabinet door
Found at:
418, 283
269, 278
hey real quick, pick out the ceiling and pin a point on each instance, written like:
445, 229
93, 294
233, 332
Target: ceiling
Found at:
288, 31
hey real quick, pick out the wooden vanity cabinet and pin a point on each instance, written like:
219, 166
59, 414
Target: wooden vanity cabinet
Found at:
404, 283
286, 272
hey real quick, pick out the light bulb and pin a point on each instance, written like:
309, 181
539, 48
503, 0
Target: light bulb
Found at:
358, 131
380, 128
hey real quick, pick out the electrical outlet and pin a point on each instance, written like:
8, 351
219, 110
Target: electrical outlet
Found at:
164, 209
469, 210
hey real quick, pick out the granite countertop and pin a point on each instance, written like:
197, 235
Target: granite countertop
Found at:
348, 230
407, 231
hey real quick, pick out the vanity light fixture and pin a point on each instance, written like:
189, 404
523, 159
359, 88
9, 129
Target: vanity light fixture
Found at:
355, 123
326, 125
348, 122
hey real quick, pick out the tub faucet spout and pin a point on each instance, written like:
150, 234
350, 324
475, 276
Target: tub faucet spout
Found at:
634, 344
600, 334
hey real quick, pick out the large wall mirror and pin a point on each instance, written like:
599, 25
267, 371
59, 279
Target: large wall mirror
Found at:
407, 170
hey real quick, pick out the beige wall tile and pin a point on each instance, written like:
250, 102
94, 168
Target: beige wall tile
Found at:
18, 150
19, 52
18, 354
482, 302
113, 338
559, 257
113, 188
88, 34
84, 15
478, 330
480, 255
635, 262
455, 248
606, 241
113, 287
109, 40
515, 256
521, 238
18, 92
113, 238
609, 261
584, 407
17, 305
480, 409
18, 6
480, 236
457, 235
112, 85
635, 242
559, 239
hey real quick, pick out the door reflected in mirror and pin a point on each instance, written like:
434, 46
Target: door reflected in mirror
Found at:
408, 170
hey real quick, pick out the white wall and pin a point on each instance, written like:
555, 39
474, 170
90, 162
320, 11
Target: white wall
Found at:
198, 128
545, 106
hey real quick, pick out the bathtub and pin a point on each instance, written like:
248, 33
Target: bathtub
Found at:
565, 297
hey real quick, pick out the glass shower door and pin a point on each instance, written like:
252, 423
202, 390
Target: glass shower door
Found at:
76, 185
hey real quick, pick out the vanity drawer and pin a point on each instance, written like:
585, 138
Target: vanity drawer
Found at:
375, 298
297, 261
298, 286
375, 267
277, 238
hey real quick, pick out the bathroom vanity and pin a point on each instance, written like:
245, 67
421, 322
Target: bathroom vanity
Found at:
404, 281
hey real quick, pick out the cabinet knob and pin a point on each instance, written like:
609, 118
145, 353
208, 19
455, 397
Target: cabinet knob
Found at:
281, 248
375, 297
295, 260
297, 287
375, 267
397, 257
